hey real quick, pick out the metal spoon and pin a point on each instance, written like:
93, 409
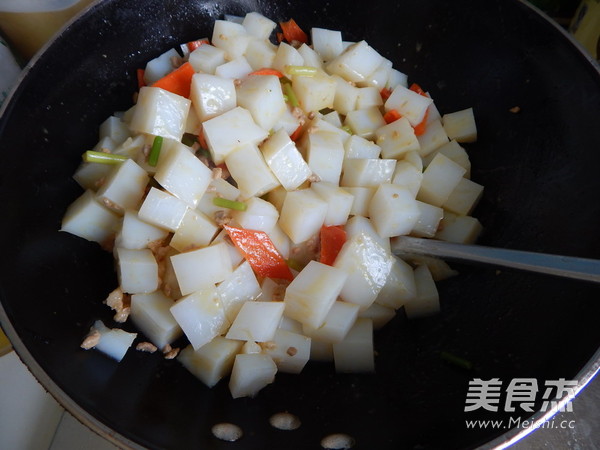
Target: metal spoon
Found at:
562, 266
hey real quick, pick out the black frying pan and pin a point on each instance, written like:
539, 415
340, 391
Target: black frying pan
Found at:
539, 167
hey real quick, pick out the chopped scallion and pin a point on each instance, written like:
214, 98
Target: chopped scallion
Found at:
103, 158
291, 95
230, 204
304, 71
155, 151
347, 129
294, 264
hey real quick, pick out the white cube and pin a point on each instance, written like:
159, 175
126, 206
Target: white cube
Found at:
152, 315
396, 139
409, 104
182, 174
327, 43
259, 215
258, 25
367, 172
136, 234
87, 218
286, 55
311, 58
379, 315
455, 152
434, 137
162, 210
367, 265
212, 95
195, 231
160, 113
367, 97
250, 374
362, 199
113, 342
339, 202
393, 210
359, 224
464, 197
429, 220
439, 180
310, 296
260, 54
302, 214
137, 271
461, 229
284, 160
355, 353
314, 93
358, 147
346, 95
218, 187
256, 321
460, 125
427, 300
290, 351
231, 37
212, 361
325, 155
229, 131
207, 58
263, 97
364, 122
202, 268
399, 287
201, 317
356, 63
408, 176
250, 171
337, 323
239, 287
234, 69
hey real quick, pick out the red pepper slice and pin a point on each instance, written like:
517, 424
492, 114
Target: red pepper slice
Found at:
292, 32
332, 241
260, 252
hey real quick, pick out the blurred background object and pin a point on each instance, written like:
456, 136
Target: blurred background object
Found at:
585, 26
29, 24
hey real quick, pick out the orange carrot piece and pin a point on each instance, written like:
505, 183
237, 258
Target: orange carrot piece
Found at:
385, 93
332, 241
193, 45
140, 78
421, 126
179, 81
279, 37
296, 134
391, 116
267, 71
202, 140
416, 88
292, 32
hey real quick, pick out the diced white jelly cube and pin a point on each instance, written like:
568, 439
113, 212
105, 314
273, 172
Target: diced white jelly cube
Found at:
207, 58
288, 324
339, 202
427, 301
162, 209
396, 139
367, 264
397, 78
114, 128
362, 198
325, 155
367, 97
367, 172
272, 291
464, 197
258, 25
160, 113
250, 171
212, 95
311, 58
320, 124
182, 174
284, 160
239, 287
356, 63
408, 176
212, 361
358, 147
231, 37
399, 287
91, 175
327, 43
337, 323
314, 93
250, 374
105, 143
460, 125
136, 234
409, 104
256, 321
229, 131
280, 240
113, 342
235, 255
124, 187
302, 214
218, 187
137, 271
290, 351
287, 122
434, 137
380, 315
286, 55
160, 66
439, 269
260, 54
195, 231
169, 284
455, 152
355, 353
234, 69
202, 268
393, 210
439, 180
201, 316
263, 97
333, 118
151, 314
192, 124
310, 296
379, 78
276, 197
415, 159
359, 224
429, 220
462, 230
87, 218
364, 122
259, 215
345, 97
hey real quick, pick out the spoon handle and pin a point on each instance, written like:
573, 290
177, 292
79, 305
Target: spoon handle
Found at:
562, 266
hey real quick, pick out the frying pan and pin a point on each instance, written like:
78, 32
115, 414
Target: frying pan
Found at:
540, 171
